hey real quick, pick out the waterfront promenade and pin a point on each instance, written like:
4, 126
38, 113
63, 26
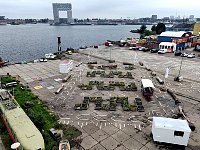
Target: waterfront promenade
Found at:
116, 130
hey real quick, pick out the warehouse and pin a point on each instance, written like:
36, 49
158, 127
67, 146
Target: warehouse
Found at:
181, 38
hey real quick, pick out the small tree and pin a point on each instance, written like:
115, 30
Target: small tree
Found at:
160, 28
142, 29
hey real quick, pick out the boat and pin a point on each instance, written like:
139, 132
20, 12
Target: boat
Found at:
19, 126
64, 145
15, 23
3, 23
106, 23
81, 23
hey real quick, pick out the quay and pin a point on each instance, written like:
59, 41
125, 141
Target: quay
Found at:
119, 129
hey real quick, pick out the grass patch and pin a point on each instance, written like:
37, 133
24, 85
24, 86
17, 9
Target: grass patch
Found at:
7, 79
39, 114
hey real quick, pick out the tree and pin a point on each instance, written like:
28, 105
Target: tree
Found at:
153, 28
142, 29
160, 28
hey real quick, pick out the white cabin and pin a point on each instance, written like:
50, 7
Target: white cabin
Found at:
168, 130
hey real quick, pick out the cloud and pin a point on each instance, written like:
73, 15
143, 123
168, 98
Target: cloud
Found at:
100, 8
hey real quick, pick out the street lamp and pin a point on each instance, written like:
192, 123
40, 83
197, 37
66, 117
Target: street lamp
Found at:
180, 67
110, 53
179, 78
110, 60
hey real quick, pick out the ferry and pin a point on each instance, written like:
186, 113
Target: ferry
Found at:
19, 126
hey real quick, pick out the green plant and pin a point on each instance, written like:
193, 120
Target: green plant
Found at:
160, 28
7, 79
39, 114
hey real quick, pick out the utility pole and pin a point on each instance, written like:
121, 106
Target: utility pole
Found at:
59, 45
110, 53
180, 67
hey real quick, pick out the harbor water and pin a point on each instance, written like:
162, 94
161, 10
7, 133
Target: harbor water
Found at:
32, 41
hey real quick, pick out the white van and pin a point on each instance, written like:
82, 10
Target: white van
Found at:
166, 47
50, 55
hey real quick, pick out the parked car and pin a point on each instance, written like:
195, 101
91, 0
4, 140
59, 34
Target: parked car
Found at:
162, 51
132, 48
184, 54
43, 60
192, 55
141, 48
50, 55
155, 50
177, 53
137, 48
146, 49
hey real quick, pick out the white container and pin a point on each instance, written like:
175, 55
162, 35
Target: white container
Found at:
168, 130
65, 66
50, 55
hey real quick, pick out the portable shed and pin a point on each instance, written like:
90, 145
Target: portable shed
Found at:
168, 130
65, 66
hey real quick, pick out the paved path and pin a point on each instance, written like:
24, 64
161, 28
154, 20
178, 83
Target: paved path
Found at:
107, 130
1, 145
190, 67
33, 71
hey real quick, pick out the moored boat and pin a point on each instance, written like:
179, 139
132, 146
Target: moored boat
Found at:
19, 126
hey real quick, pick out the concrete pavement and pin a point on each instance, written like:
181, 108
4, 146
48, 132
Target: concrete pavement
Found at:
1, 145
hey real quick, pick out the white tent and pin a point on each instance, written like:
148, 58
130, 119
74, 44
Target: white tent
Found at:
168, 130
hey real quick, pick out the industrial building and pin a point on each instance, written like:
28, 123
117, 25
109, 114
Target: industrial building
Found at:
182, 27
181, 38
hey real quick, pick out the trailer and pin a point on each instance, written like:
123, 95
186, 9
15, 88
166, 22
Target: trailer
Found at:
147, 88
168, 130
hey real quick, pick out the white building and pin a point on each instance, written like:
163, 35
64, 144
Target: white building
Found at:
168, 130
167, 47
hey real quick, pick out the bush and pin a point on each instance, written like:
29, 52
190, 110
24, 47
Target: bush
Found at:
7, 79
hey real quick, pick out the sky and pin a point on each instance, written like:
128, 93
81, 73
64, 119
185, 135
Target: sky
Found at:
101, 8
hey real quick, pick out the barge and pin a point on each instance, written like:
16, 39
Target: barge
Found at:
19, 126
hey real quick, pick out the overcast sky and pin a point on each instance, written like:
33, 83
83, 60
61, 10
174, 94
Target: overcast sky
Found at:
101, 8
